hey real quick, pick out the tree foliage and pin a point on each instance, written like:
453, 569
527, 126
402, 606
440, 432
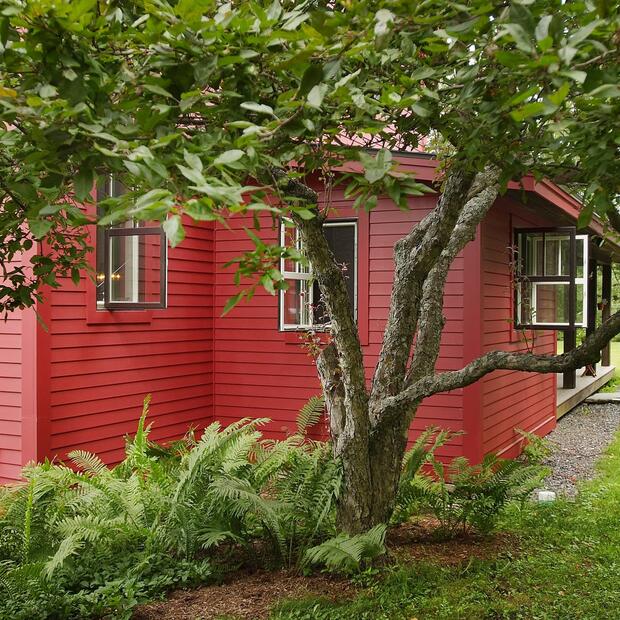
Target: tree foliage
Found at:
218, 109
195, 104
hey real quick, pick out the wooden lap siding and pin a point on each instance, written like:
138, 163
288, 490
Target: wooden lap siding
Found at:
510, 400
263, 372
11, 370
100, 373
17, 392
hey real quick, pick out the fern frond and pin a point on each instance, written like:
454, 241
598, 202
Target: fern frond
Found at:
346, 553
88, 462
310, 414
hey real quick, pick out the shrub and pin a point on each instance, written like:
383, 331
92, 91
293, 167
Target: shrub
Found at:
464, 496
89, 540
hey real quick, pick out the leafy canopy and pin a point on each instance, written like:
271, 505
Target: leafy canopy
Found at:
198, 106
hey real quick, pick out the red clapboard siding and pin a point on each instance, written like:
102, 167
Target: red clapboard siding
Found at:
100, 372
16, 384
510, 400
262, 372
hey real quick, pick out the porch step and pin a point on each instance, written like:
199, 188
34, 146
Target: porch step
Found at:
604, 397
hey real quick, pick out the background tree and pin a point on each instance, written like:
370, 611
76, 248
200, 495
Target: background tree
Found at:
201, 107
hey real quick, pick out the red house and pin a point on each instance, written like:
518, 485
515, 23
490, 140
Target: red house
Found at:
151, 324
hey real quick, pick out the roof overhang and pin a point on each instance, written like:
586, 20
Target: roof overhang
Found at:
544, 196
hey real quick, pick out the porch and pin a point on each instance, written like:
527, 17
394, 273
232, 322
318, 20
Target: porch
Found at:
568, 398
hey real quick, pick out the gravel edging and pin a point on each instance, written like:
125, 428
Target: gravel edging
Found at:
578, 442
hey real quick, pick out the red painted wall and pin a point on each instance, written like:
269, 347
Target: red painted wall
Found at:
17, 391
11, 370
93, 369
102, 364
510, 399
263, 372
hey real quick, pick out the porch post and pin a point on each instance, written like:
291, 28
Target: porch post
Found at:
591, 301
606, 297
569, 380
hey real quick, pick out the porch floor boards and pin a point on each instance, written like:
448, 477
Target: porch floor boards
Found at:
567, 399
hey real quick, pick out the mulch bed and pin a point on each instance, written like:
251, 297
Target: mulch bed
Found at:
251, 596
418, 541
248, 597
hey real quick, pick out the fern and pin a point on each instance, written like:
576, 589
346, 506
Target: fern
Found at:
410, 493
347, 553
310, 414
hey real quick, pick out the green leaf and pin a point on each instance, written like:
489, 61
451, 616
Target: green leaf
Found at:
542, 29
267, 284
529, 110
577, 76
584, 32
193, 175
420, 110
375, 168
46, 91
39, 228
84, 183
606, 90
520, 97
305, 214
520, 36
383, 20
228, 157
192, 160
422, 73
232, 302
51, 209
559, 96
312, 76
585, 215
174, 230
316, 95
259, 108
158, 90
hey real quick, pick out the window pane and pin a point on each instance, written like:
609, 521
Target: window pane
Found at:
533, 263
296, 306
100, 265
341, 240
135, 269
543, 303
580, 247
291, 240
557, 255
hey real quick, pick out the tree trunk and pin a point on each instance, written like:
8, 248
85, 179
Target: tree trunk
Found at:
371, 462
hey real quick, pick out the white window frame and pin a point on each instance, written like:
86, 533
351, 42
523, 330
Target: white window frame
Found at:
305, 273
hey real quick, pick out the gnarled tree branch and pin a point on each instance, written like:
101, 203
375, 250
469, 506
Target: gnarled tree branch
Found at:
480, 199
587, 353
414, 256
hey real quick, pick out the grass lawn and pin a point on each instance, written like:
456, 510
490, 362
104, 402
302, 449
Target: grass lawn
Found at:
566, 565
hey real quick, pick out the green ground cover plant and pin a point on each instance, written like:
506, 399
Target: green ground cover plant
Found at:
86, 540
82, 540
564, 565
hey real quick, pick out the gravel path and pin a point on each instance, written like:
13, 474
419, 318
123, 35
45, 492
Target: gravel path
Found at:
578, 441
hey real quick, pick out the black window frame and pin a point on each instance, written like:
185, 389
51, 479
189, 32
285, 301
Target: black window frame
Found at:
142, 231
552, 279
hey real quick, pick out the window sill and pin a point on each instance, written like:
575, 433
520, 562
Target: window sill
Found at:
118, 317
